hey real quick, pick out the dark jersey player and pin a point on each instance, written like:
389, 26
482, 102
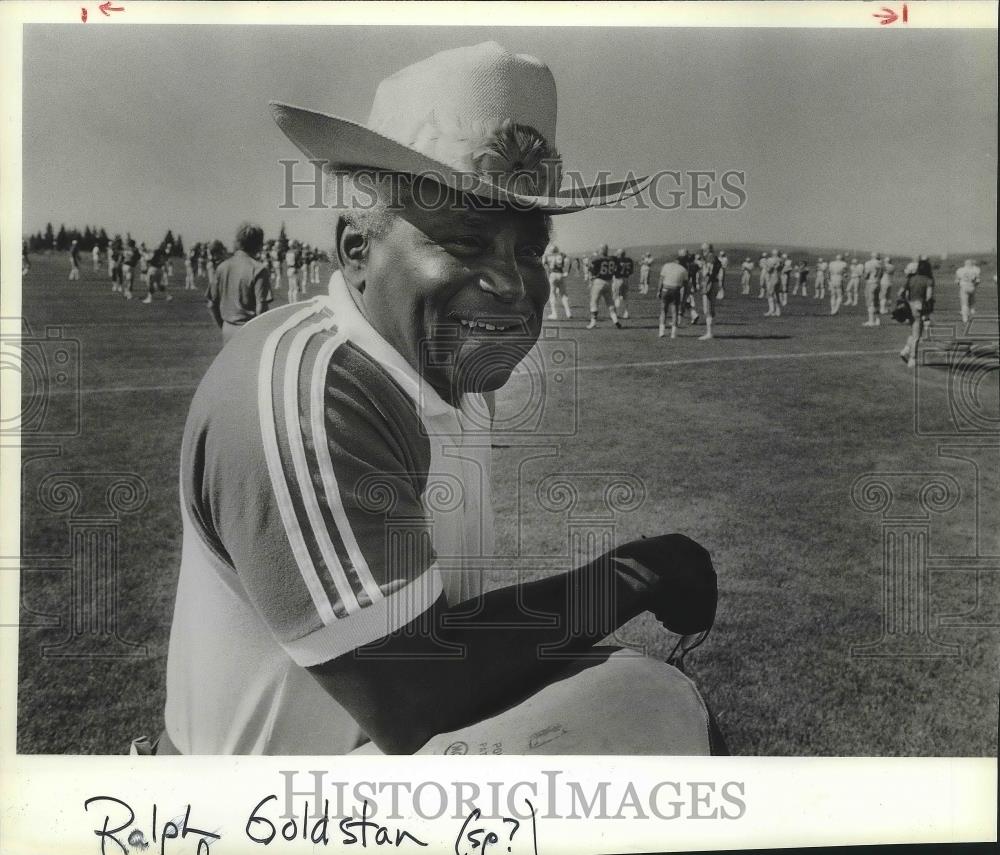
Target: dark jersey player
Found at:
601, 268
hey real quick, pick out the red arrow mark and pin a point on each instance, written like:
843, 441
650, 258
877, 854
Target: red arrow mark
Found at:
886, 16
83, 14
107, 8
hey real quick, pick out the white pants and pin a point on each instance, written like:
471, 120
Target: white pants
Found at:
625, 704
967, 300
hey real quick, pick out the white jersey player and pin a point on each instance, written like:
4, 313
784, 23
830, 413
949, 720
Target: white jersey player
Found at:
819, 283
885, 285
746, 271
557, 266
645, 264
786, 272
835, 272
873, 282
762, 279
855, 272
772, 266
967, 278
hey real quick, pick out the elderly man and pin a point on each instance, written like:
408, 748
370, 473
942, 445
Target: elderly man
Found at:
330, 594
241, 289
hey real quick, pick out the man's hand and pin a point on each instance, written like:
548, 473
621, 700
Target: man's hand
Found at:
674, 578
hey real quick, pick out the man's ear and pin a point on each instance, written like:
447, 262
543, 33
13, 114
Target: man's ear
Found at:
352, 253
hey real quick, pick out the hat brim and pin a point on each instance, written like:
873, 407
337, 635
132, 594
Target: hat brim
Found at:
340, 144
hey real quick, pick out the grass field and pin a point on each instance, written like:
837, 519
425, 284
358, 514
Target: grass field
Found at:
750, 444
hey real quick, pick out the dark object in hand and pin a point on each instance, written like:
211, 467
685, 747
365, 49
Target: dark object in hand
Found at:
675, 577
902, 313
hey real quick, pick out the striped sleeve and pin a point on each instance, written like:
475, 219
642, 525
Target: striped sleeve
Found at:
314, 486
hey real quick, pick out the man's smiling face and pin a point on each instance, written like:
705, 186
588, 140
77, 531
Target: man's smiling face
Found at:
459, 292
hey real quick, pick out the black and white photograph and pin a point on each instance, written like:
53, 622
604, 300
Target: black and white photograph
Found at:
483, 387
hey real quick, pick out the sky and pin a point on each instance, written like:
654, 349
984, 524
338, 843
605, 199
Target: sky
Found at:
884, 139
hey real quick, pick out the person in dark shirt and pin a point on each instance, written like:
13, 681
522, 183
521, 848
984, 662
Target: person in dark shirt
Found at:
624, 268
131, 261
692, 264
919, 293
155, 275
117, 263
74, 262
711, 267
241, 288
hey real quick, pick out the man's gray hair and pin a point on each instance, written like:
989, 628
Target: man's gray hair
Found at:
250, 238
367, 199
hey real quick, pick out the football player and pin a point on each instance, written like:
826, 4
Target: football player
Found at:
292, 272
131, 262
154, 276
710, 281
556, 265
673, 278
873, 282
602, 269
919, 293
819, 283
724, 264
74, 262
746, 271
856, 271
117, 259
885, 285
314, 267
772, 284
624, 267
168, 263
689, 297
786, 273
274, 255
645, 264
300, 265
967, 278
836, 270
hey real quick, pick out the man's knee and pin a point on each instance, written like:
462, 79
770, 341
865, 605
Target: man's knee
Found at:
647, 706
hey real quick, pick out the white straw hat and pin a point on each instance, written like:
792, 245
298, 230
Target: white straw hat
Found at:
478, 119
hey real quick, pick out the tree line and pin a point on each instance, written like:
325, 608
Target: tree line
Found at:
91, 236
